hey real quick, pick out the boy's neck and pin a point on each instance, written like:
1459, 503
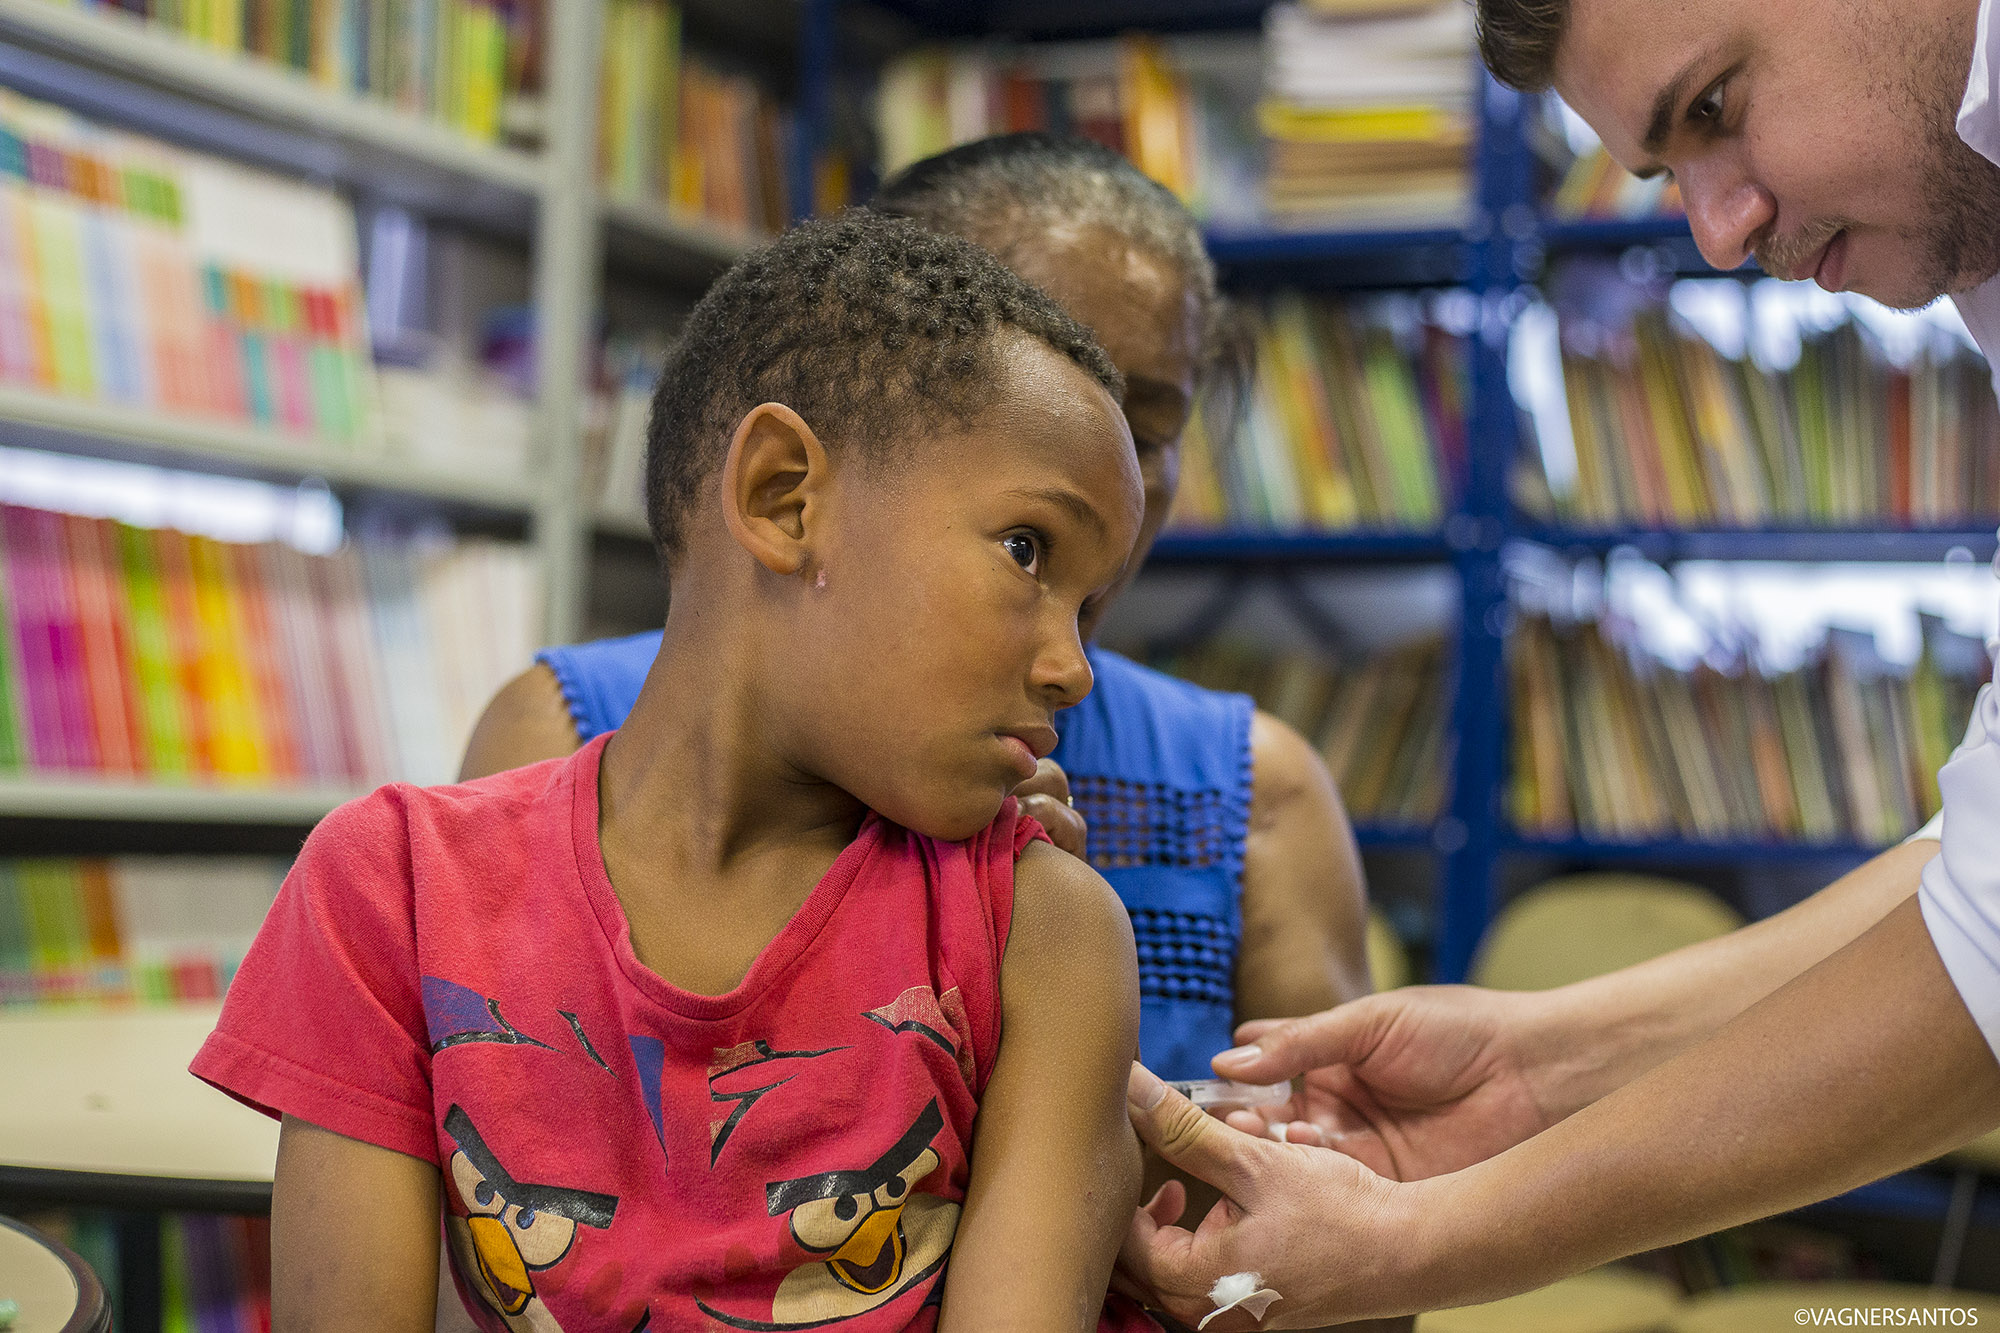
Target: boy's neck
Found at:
696, 775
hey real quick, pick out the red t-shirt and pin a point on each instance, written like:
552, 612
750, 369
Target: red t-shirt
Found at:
448, 973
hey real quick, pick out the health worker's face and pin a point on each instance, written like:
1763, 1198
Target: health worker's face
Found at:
946, 637
1817, 136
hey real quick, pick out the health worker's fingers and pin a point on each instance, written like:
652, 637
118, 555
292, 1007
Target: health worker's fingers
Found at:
1341, 1036
1046, 798
1189, 1138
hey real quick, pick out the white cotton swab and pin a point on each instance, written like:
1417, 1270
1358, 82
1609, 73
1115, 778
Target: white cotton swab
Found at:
1240, 1291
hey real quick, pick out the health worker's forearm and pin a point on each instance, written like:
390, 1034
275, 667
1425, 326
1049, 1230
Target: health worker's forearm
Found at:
1598, 1035
1866, 1064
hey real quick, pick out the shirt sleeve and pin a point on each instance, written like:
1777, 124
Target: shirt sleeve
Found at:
324, 1020
1960, 897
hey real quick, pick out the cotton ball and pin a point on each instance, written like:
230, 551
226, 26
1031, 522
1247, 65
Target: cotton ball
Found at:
1240, 1291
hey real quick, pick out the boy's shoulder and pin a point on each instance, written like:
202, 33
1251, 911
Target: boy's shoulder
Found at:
481, 813
1078, 909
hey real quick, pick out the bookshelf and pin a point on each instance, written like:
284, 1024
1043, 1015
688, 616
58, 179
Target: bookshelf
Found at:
57, 796
1502, 251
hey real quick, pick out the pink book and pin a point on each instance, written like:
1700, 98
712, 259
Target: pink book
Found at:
28, 622
65, 631
302, 660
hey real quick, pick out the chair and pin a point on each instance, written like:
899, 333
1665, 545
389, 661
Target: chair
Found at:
1582, 926
55, 1291
1605, 1300
1388, 965
1774, 1305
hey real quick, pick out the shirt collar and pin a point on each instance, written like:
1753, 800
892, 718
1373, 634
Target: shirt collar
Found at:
1979, 113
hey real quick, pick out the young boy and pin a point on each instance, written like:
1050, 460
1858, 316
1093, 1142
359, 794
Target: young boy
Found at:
702, 1027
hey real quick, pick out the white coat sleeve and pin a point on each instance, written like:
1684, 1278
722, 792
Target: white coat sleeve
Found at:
1960, 897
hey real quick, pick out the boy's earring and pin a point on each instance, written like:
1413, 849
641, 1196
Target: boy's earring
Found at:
820, 582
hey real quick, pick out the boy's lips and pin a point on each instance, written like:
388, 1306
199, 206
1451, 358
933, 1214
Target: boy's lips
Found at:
1030, 745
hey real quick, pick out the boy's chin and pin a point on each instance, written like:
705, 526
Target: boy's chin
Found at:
945, 819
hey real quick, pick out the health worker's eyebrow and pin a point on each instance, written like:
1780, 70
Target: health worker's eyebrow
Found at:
1066, 500
1666, 106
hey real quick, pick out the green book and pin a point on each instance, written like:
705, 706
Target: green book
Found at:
167, 744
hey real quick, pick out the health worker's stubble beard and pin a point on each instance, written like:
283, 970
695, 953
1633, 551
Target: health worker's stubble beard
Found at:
1958, 238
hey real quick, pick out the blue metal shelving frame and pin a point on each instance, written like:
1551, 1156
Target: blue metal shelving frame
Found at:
1791, 544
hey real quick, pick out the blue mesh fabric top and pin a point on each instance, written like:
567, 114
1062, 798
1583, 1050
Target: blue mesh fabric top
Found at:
1161, 770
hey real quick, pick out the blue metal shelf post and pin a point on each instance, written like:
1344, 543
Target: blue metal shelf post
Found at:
1469, 837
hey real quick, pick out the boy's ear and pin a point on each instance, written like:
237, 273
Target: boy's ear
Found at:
773, 476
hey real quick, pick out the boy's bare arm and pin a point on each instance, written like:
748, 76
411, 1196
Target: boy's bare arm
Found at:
354, 1235
1055, 1166
525, 723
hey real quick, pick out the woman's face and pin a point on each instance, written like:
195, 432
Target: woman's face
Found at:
1149, 323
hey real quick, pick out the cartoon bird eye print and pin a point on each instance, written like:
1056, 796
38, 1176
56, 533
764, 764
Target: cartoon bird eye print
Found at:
539, 1238
862, 1233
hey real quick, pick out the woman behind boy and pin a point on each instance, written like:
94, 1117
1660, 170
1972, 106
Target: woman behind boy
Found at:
703, 1025
1218, 826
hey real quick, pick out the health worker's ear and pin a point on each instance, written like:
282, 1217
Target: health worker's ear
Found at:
773, 479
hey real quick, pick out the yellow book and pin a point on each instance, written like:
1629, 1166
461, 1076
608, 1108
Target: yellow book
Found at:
227, 691
1287, 352
1154, 103
1405, 124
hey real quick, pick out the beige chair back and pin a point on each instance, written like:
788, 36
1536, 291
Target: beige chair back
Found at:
1583, 926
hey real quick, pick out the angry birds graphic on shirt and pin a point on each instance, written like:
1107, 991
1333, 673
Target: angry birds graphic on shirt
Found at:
512, 1229
864, 1236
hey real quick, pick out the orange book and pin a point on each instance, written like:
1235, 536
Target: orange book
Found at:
103, 637
185, 636
100, 911
1900, 507
271, 685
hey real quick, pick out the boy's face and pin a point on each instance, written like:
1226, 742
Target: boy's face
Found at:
945, 638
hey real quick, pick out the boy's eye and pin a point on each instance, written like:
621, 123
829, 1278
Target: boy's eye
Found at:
1025, 549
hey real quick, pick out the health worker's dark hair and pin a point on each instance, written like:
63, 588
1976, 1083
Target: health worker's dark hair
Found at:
870, 327
1518, 40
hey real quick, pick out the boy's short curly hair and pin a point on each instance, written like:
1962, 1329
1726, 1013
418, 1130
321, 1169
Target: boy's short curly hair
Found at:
863, 324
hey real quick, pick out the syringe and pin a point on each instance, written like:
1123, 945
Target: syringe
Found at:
1208, 1093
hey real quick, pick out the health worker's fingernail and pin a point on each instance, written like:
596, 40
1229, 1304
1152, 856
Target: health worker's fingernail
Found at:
1236, 1055
1144, 1088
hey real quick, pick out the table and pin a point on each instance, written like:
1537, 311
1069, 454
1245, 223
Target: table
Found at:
97, 1109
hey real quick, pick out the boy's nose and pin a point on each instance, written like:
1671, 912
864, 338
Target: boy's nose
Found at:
1063, 672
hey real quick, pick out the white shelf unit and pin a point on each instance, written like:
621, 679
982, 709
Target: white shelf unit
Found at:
44, 420
555, 187
56, 796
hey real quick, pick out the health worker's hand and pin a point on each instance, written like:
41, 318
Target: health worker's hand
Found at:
1412, 1083
1046, 797
1331, 1237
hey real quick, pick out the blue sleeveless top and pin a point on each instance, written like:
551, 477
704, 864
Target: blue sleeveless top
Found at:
1159, 767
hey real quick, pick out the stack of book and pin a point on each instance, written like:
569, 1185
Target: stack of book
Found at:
615, 455
1369, 117
1380, 722
1182, 110
215, 1272
466, 63
133, 929
1610, 743
1596, 188
1669, 432
137, 275
149, 654
675, 131
1356, 419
